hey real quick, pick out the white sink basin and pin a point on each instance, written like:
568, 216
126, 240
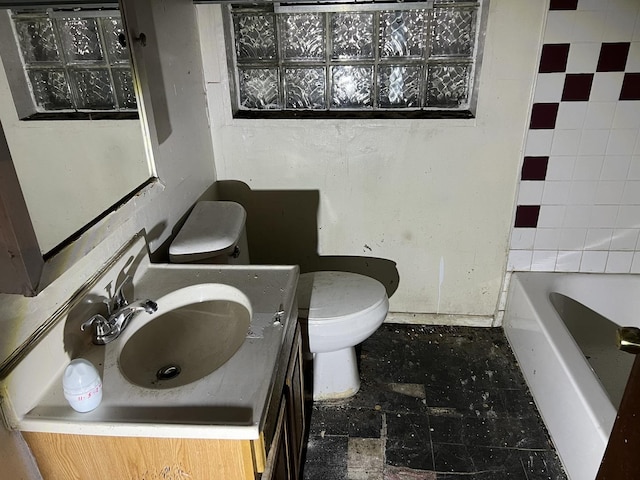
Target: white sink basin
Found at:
195, 330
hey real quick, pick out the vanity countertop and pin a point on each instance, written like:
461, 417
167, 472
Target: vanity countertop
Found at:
229, 403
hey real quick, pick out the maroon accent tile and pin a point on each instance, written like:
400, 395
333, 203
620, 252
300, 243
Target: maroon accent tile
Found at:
554, 57
543, 116
527, 216
577, 87
534, 168
630, 87
563, 5
613, 57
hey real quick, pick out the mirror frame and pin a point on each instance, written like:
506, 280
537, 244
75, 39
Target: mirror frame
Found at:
21, 263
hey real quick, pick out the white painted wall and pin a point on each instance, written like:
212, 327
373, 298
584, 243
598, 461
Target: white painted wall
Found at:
86, 166
417, 192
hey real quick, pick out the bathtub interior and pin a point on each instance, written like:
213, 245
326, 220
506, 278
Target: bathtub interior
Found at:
595, 336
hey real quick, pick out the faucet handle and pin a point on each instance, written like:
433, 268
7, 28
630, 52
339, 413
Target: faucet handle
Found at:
101, 326
119, 300
97, 319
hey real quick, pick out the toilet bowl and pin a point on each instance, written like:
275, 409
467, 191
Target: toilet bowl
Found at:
338, 310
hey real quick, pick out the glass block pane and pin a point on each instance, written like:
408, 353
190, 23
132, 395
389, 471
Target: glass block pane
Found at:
112, 28
37, 40
402, 34
448, 85
452, 32
352, 35
123, 83
302, 36
351, 86
94, 89
259, 88
305, 88
50, 89
399, 86
255, 36
80, 39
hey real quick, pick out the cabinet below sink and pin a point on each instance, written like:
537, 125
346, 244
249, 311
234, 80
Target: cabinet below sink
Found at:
275, 455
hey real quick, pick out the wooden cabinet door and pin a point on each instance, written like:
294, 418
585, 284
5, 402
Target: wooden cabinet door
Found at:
294, 394
66, 456
279, 463
283, 462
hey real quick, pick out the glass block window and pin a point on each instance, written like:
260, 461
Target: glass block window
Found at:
75, 61
416, 59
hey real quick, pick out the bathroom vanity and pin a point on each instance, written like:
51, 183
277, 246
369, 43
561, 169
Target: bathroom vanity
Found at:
244, 420
275, 454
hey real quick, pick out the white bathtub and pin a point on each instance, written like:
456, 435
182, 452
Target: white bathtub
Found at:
577, 406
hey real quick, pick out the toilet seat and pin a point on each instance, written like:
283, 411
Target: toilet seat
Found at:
331, 297
338, 310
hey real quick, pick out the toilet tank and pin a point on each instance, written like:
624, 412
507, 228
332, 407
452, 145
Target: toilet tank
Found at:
214, 232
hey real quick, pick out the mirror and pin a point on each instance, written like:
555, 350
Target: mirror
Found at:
70, 171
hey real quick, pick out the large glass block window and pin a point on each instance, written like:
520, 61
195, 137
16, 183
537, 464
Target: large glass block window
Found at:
416, 59
75, 61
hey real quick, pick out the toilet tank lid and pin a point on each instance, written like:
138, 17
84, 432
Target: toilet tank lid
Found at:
212, 228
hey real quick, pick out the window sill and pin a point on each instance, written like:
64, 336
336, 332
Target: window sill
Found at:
82, 116
356, 115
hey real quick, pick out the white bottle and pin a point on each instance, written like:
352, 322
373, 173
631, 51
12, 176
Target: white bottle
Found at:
82, 385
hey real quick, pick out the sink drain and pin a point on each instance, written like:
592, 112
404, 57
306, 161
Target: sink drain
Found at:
168, 372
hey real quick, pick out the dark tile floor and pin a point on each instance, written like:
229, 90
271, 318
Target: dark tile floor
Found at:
435, 403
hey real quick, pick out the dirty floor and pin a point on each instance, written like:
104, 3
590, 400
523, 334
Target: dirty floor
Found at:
435, 403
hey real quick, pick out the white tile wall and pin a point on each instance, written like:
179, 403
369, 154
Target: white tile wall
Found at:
589, 217
594, 142
560, 167
568, 261
633, 61
539, 142
566, 142
600, 115
571, 115
530, 193
606, 86
593, 261
619, 262
583, 58
616, 167
635, 264
560, 25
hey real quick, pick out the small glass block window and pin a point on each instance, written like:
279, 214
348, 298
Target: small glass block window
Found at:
351, 86
447, 85
399, 86
352, 35
402, 34
453, 32
260, 88
305, 88
75, 61
303, 36
255, 36
333, 60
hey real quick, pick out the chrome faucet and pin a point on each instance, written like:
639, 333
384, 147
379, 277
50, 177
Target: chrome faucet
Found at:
120, 313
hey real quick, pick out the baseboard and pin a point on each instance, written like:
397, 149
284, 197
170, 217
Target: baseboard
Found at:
440, 319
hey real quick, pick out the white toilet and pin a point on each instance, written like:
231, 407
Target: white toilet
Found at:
338, 309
